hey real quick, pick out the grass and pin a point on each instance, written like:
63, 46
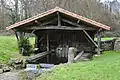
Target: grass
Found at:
106, 38
9, 48
105, 67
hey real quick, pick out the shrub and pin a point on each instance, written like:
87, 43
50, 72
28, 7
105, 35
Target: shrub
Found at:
25, 47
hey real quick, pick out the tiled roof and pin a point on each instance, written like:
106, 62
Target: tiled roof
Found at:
58, 9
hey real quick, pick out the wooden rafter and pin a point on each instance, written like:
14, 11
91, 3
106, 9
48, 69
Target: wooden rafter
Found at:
76, 24
48, 22
70, 22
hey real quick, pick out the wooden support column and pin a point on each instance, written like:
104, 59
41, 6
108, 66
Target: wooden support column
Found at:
99, 42
47, 37
36, 42
16, 35
59, 20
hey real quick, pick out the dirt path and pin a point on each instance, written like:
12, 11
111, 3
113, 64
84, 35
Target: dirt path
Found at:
9, 76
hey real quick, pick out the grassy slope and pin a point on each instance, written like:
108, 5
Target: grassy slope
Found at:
105, 67
8, 48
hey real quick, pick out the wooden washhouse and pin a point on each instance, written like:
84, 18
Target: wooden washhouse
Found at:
57, 30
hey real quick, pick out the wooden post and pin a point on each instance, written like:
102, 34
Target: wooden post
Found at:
21, 36
99, 42
47, 37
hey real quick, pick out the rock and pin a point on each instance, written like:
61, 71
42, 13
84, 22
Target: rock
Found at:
18, 61
1, 71
117, 45
71, 54
1, 66
18, 66
6, 69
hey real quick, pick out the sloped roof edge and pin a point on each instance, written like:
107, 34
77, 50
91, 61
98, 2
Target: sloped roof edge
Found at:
92, 22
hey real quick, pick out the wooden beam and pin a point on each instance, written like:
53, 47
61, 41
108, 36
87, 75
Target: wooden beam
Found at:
72, 23
90, 38
59, 20
78, 56
48, 22
56, 27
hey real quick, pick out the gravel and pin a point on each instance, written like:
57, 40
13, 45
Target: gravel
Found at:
10, 76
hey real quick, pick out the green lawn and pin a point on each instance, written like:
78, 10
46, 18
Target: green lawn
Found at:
105, 67
8, 48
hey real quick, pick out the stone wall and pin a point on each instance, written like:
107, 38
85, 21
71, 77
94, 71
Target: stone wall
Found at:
107, 45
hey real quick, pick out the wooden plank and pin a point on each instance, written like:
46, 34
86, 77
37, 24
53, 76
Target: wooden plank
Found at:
38, 56
90, 38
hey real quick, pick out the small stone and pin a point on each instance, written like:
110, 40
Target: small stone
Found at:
6, 69
18, 61
1, 71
